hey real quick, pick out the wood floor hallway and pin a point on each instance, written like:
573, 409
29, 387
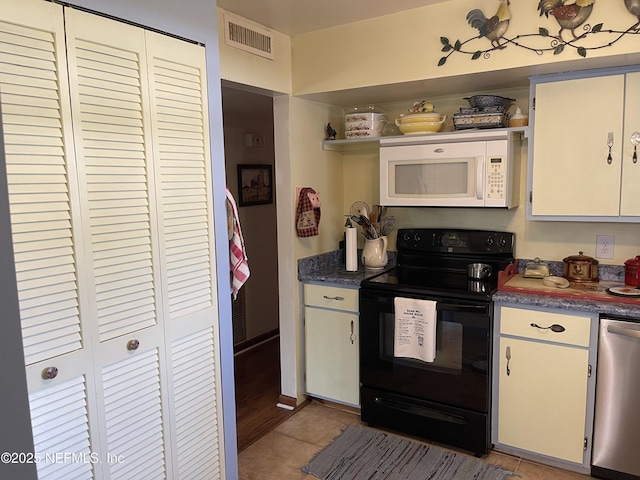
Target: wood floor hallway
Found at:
257, 378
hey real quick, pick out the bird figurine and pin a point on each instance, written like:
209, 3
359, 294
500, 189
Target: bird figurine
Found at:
331, 133
492, 28
569, 17
634, 9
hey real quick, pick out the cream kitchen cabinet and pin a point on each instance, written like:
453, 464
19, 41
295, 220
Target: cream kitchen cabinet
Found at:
543, 388
582, 153
331, 343
108, 170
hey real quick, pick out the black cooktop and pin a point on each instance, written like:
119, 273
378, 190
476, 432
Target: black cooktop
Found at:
434, 262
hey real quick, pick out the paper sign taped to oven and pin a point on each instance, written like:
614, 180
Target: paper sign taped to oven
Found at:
415, 329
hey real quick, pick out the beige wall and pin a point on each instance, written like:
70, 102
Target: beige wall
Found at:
395, 51
249, 69
250, 113
406, 46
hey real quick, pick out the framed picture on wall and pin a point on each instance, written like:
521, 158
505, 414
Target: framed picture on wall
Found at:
255, 184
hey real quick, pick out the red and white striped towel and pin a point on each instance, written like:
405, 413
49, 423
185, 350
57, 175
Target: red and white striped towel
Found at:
237, 254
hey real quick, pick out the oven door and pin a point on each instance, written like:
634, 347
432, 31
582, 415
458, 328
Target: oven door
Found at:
459, 376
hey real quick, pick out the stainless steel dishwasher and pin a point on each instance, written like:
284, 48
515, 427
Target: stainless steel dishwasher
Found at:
616, 435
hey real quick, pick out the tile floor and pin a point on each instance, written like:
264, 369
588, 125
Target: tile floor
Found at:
281, 453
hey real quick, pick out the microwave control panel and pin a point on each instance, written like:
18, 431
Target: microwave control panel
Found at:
496, 177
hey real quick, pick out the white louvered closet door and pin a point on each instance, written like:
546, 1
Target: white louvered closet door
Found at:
183, 177
43, 196
110, 105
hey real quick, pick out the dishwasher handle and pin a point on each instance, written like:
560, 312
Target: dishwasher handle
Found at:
627, 332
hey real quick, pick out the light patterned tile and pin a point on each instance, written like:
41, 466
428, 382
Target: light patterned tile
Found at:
281, 454
507, 461
317, 424
275, 456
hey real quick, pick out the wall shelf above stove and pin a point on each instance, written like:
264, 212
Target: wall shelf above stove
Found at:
374, 142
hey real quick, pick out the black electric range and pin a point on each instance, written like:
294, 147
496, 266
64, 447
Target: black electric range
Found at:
447, 399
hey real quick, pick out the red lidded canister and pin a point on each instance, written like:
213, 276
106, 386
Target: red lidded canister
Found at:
632, 272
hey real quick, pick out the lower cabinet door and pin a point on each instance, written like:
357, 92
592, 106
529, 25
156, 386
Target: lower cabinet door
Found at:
331, 344
542, 398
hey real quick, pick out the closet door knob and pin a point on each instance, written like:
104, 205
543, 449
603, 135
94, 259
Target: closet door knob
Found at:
50, 373
133, 345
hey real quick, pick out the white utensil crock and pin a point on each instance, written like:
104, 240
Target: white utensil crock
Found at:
374, 253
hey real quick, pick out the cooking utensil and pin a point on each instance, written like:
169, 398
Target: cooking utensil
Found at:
632, 272
360, 208
386, 225
484, 101
479, 271
580, 268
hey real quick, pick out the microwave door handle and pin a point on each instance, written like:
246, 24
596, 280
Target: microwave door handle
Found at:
480, 179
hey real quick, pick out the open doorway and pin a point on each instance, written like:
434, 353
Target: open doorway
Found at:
249, 141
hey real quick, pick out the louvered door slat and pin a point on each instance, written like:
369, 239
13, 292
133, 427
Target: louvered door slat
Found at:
108, 82
29, 62
60, 424
177, 91
195, 426
133, 416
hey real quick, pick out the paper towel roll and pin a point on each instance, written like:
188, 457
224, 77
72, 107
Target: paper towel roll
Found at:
351, 249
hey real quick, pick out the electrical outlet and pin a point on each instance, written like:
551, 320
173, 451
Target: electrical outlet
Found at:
604, 246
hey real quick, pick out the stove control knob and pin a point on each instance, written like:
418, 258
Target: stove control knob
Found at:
406, 237
502, 241
489, 241
417, 237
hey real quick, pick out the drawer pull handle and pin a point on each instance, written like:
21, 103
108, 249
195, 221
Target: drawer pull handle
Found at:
351, 337
554, 328
333, 298
508, 355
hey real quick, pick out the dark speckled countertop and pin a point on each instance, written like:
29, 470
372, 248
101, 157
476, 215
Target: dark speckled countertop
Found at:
329, 268
613, 273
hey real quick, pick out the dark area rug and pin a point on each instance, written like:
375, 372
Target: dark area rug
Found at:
360, 453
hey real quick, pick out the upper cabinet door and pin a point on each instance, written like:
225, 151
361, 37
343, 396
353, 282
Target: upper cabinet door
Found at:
574, 121
630, 196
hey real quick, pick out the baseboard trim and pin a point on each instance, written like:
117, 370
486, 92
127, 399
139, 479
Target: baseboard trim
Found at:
252, 342
289, 402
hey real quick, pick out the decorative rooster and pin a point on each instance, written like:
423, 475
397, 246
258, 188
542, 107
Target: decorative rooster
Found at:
493, 28
569, 17
634, 8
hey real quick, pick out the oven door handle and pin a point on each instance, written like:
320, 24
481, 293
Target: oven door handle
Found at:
454, 307
422, 411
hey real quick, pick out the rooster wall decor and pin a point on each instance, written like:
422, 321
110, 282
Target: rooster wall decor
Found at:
493, 28
570, 15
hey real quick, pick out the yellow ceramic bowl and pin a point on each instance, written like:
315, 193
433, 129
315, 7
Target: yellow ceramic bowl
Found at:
421, 127
420, 117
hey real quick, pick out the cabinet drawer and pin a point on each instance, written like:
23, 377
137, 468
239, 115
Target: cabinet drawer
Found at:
517, 321
331, 297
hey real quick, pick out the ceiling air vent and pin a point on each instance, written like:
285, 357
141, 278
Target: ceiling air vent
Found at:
239, 33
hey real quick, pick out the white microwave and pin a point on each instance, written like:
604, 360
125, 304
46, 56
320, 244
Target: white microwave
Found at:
460, 169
